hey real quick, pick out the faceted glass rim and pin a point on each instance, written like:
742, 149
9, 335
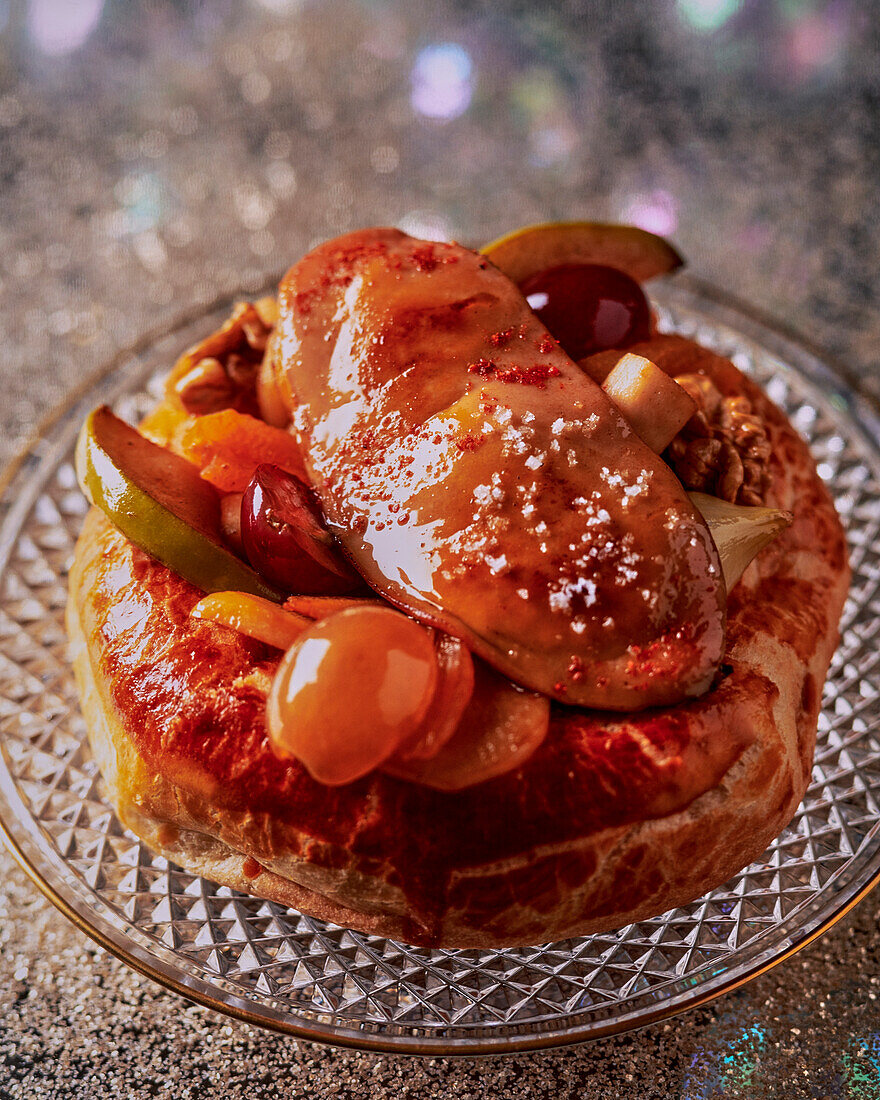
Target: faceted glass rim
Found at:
20, 488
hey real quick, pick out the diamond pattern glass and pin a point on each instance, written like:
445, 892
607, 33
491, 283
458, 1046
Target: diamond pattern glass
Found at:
281, 969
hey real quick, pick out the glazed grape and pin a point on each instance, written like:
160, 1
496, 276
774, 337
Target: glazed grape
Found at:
285, 540
350, 690
589, 307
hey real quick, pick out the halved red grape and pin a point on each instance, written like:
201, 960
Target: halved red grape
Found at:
285, 539
589, 307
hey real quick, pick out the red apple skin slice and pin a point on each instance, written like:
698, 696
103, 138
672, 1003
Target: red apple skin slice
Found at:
479, 480
500, 729
638, 253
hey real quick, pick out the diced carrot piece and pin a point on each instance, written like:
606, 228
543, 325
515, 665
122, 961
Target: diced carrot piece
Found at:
228, 446
165, 424
319, 607
254, 616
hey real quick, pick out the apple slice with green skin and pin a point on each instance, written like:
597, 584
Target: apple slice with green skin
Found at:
638, 253
161, 504
739, 532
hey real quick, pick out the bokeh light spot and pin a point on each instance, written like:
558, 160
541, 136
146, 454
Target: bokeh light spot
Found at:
384, 159
656, 211
728, 1069
255, 86
707, 15
143, 202
552, 144
427, 225
58, 27
541, 103
442, 81
861, 1065
281, 7
816, 43
795, 9
281, 177
253, 206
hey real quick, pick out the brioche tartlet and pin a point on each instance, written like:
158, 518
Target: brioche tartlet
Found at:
445, 598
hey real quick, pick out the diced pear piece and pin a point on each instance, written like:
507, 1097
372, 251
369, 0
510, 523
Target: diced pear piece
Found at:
739, 532
656, 407
534, 248
159, 502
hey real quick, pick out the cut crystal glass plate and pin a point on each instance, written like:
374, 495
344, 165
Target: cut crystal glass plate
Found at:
274, 967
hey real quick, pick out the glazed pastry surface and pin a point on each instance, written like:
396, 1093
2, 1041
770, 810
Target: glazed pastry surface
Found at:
614, 818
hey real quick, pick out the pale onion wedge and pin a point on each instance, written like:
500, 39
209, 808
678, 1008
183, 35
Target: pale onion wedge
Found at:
739, 532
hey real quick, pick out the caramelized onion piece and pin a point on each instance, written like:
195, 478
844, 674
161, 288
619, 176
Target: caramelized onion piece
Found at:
500, 729
454, 690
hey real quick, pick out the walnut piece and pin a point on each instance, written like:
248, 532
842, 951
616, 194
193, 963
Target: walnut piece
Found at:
221, 372
205, 388
723, 448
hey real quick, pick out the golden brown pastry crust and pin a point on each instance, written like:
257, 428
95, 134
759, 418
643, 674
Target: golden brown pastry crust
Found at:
613, 819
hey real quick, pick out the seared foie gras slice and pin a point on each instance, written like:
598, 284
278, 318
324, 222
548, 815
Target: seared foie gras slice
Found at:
479, 479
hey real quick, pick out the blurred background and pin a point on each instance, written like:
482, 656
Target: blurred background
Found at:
158, 154
155, 154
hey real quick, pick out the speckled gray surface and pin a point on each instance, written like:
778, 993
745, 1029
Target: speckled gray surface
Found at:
156, 154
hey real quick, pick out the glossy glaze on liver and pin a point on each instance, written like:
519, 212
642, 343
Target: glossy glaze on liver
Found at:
479, 479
